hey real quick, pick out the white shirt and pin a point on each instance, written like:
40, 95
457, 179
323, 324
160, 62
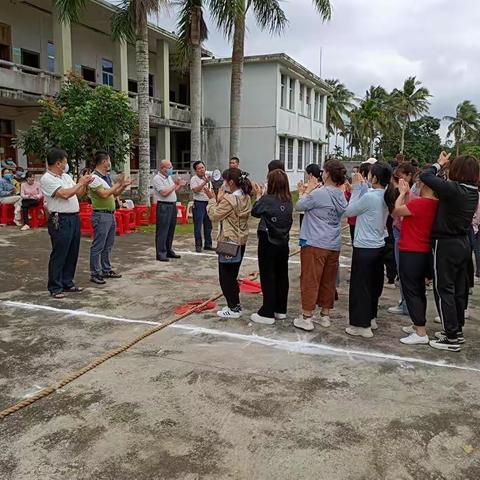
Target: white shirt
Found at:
50, 184
162, 183
195, 182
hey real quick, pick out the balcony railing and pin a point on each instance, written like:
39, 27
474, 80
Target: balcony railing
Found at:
180, 113
14, 76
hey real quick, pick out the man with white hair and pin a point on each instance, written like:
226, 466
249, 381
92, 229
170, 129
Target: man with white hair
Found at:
165, 194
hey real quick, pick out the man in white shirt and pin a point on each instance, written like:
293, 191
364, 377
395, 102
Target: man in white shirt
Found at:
165, 195
61, 201
198, 183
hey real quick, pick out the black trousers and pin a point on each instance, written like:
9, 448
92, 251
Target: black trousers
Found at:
450, 280
28, 203
228, 276
65, 247
389, 259
273, 265
366, 285
414, 269
352, 232
165, 231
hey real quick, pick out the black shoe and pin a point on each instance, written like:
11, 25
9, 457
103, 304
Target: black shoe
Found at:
442, 334
163, 259
173, 255
446, 344
98, 280
198, 249
209, 249
111, 274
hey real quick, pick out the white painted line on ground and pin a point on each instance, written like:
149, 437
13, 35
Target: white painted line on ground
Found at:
299, 346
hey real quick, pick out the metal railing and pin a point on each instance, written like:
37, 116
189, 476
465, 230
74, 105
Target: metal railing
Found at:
26, 69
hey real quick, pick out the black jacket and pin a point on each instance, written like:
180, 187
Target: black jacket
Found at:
457, 205
276, 218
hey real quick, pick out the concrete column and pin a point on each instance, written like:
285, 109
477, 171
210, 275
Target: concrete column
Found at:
163, 144
162, 77
62, 39
120, 66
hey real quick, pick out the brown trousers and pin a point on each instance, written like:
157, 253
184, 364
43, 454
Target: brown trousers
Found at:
318, 279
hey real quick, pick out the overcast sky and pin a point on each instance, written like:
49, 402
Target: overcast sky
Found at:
379, 42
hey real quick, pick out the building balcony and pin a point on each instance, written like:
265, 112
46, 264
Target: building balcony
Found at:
180, 115
23, 81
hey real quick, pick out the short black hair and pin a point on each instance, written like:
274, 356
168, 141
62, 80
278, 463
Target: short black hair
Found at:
276, 165
100, 156
383, 172
315, 170
197, 163
55, 155
235, 158
6, 168
29, 175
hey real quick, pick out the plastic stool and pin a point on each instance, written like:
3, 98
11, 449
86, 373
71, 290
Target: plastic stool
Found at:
153, 214
38, 217
129, 220
190, 210
142, 215
7, 214
181, 213
85, 207
86, 227
119, 223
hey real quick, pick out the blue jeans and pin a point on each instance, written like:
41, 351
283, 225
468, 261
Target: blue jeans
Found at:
103, 240
65, 247
201, 218
396, 236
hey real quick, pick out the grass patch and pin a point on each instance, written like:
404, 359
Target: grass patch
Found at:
181, 229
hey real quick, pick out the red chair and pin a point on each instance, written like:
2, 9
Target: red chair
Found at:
86, 227
7, 214
153, 214
181, 213
38, 217
129, 220
142, 215
119, 223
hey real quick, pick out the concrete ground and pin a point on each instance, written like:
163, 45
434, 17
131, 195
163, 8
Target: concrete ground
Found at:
213, 399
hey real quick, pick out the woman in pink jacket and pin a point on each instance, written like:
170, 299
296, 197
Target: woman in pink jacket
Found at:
31, 194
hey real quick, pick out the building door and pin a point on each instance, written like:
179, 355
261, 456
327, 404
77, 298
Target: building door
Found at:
6, 136
5, 42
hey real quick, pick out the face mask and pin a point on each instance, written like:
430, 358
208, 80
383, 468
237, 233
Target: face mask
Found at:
170, 172
66, 168
8, 176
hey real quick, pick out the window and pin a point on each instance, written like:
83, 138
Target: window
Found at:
107, 72
315, 153
300, 155
316, 108
89, 74
153, 153
307, 149
51, 57
151, 83
30, 59
133, 86
323, 99
302, 99
291, 94
282, 149
290, 154
309, 102
283, 98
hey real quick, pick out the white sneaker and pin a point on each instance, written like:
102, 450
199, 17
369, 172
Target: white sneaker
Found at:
227, 313
409, 329
374, 324
25, 227
280, 316
397, 310
437, 320
256, 318
303, 323
360, 332
323, 321
414, 339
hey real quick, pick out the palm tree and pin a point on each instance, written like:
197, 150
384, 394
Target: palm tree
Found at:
408, 103
269, 16
465, 123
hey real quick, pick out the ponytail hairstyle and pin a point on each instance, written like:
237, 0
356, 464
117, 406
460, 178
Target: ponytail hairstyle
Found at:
239, 178
383, 173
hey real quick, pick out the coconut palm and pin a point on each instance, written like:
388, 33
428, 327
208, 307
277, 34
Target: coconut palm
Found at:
465, 123
269, 16
409, 103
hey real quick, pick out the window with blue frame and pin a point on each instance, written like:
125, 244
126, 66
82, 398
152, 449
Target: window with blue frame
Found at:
107, 72
51, 57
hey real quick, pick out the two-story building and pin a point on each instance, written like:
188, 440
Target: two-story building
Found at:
37, 50
284, 108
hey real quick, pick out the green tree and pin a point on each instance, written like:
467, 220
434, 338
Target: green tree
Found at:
82, 120
409, 103
269, 16
465, 124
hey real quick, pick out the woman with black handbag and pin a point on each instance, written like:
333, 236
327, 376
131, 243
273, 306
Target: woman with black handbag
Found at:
232, 209
275, 211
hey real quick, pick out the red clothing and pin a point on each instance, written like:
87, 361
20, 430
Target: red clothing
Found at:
417, 228
350, 220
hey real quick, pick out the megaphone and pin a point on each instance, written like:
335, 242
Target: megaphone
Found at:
216, 178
